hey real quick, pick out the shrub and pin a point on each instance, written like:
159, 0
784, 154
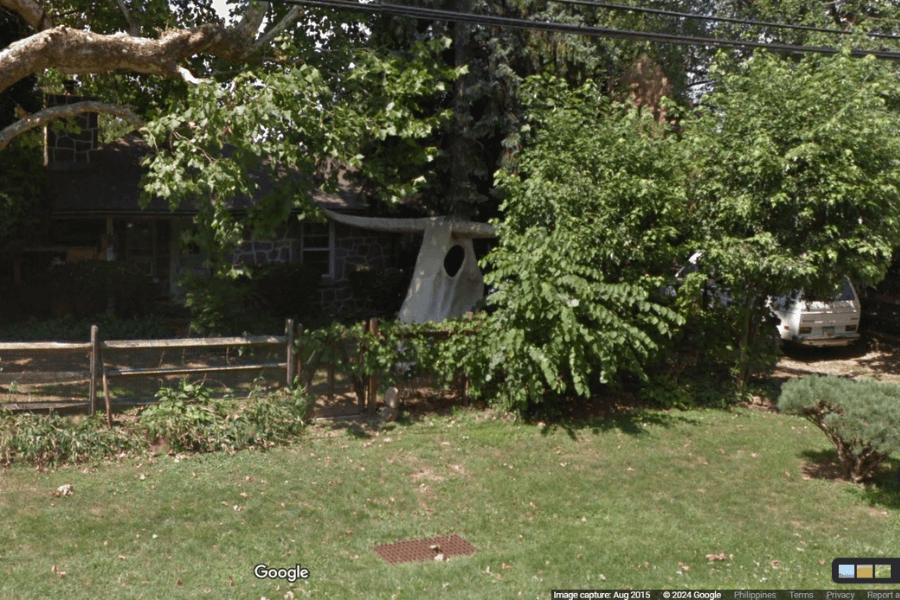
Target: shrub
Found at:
189, 419
861, 418
237, 304
286, 290
53, 439
220, 305
70, 329
382, 289
84, 289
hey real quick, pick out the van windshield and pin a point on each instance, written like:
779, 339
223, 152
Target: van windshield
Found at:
844, 292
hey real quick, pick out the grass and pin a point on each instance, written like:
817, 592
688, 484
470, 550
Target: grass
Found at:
635, 501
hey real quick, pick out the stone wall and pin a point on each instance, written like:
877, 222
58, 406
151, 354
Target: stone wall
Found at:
352, 247
65, 149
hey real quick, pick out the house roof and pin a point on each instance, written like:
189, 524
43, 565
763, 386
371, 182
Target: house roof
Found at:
110, 185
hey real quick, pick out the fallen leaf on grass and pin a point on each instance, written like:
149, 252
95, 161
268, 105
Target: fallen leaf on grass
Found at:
56, 571
66, 489
230, 581
774, 563
683, 566
719, 556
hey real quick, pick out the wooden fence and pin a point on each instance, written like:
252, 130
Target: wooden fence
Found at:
99, 372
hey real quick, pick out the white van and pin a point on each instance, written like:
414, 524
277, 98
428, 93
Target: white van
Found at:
814, 322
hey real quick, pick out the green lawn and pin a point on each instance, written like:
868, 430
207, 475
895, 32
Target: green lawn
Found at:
636, 501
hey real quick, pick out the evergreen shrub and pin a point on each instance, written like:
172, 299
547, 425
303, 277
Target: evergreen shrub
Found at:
861, 418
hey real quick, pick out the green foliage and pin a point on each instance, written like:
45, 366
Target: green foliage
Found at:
53, 439
591, 224
398, 352
189, 419
240, 302
794, 181
382, 289
861, 418
70, 329
220, 305
286, 290
284, 125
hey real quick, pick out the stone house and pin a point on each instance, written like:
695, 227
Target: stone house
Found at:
94, 214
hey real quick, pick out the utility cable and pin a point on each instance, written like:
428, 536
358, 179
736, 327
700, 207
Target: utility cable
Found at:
602, 32
671, 13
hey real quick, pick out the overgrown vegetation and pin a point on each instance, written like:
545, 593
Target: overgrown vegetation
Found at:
53, 439
186, 419
71, 329
861, 418
252, 302
382, 290
189, 419
81, 290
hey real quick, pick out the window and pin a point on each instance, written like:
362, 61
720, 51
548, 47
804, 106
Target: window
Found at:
316, 242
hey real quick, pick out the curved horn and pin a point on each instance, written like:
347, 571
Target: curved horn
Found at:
469, 229
379, 223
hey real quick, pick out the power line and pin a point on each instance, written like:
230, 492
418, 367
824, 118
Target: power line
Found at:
671, 13
603, 32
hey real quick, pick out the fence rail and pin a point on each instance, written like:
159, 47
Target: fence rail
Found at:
100, 372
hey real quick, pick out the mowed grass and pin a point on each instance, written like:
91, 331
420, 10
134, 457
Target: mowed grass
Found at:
635, 501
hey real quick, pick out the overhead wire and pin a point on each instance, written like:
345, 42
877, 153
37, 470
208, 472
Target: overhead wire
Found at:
586, 30
683, 15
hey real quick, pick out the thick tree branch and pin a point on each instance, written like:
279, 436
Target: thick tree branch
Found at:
74, 51
251, 22
31, 11
62, 112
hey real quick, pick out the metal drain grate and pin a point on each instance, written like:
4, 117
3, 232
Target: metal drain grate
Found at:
424, 550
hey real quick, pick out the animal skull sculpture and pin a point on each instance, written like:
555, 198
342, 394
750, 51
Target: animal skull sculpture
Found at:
447, 281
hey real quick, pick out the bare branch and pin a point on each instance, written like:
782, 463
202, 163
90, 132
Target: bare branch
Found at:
46, 115
188, 77
31, 11
268, 36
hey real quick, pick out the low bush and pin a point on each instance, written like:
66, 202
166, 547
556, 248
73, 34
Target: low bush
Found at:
189, 419
89, 288
70, 329
382, 290
861, 418
53, 439
219, 306
259, 303
286, 290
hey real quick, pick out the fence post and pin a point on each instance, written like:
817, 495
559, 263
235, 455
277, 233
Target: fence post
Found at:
291, 364
372, 395
360, 385
95, 359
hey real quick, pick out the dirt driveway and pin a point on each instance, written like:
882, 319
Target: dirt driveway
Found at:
868, 358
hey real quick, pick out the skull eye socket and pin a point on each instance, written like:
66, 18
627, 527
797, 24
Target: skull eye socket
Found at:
454, 259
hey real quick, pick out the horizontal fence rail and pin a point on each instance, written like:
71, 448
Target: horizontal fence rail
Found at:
99, 370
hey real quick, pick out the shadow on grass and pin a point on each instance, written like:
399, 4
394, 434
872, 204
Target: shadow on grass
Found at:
882, 490
631, 423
